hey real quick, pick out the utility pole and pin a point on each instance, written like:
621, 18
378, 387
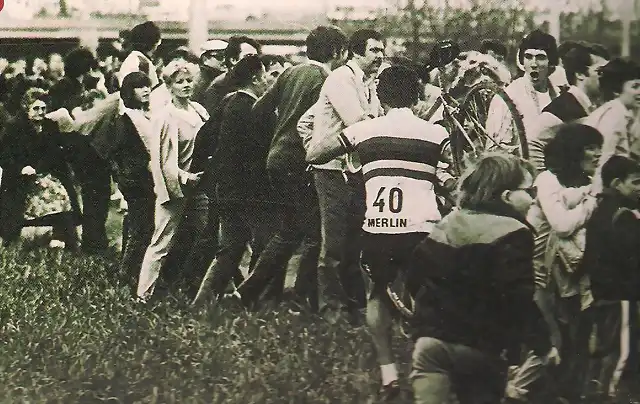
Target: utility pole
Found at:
198, 24
415, 29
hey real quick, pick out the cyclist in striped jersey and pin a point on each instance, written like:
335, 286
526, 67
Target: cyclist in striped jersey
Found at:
399, 154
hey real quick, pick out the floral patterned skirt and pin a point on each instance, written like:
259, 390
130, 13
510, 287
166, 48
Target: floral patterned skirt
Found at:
46, 196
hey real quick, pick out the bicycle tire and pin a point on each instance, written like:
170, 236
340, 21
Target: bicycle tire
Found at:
395, 296
458, 139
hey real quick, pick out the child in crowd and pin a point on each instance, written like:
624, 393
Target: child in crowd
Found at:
612, 261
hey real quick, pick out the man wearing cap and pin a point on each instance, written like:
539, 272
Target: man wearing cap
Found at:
237, 47
212, 57
537, 57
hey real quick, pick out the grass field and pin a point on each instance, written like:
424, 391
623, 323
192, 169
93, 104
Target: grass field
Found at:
71, 334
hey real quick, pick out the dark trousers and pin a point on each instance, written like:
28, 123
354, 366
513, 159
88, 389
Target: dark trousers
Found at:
342, 204
240, 223
94, 177
193, 264
136, 235
182, 263
299, 226
575, 327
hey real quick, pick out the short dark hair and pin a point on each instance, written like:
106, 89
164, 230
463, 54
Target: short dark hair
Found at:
399, 87
182, 52
130, 82
106, 49
600, 50
143, 37
245, 70
270, 60
495, 46
618, 167
78, 62
542, 41
234, 47
325, 42
358, 40
614, 74
577, 61
565, 151
566, 46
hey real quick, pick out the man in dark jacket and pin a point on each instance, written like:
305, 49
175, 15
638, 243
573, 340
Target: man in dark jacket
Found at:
222, 85
241, 184
474, 282
612, 261
295, 91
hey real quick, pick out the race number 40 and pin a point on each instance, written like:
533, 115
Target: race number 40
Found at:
391, 200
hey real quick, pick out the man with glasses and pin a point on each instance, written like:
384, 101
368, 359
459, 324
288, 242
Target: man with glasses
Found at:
237, 47
212, 65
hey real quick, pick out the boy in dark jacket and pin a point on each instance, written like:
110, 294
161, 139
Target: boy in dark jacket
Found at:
612, 261
475, 278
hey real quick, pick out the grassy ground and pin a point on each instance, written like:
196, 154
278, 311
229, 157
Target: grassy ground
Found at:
72, 335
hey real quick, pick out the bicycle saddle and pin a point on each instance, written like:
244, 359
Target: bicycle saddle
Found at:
443, 53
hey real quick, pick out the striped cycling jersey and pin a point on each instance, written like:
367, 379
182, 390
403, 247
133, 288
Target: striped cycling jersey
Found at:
399, 154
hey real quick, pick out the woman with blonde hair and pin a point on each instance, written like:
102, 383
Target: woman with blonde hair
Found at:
180, 202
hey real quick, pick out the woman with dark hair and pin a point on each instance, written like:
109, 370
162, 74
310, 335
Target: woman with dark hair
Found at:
128, 153
143, 41
565, 201
36, 183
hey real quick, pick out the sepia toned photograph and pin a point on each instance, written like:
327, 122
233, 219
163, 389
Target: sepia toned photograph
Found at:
320, 201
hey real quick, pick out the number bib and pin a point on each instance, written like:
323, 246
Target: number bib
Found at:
397, 205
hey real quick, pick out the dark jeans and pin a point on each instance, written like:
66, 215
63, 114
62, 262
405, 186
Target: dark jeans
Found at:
441, 369
342, 203
575, 327
94, 176
195, 264
299, 225
240, 223
137, 231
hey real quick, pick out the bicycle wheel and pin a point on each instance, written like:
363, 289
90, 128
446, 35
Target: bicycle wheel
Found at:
398, 294
469, 136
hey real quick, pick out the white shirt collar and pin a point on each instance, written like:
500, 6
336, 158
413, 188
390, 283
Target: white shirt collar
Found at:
356, 69
249, 93
582, 98
400, 111
618, 104
322, 65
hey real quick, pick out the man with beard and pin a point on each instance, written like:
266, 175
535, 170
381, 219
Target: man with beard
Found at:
538, 55
348, 96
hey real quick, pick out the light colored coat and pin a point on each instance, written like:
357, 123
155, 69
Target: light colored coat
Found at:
171, 152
